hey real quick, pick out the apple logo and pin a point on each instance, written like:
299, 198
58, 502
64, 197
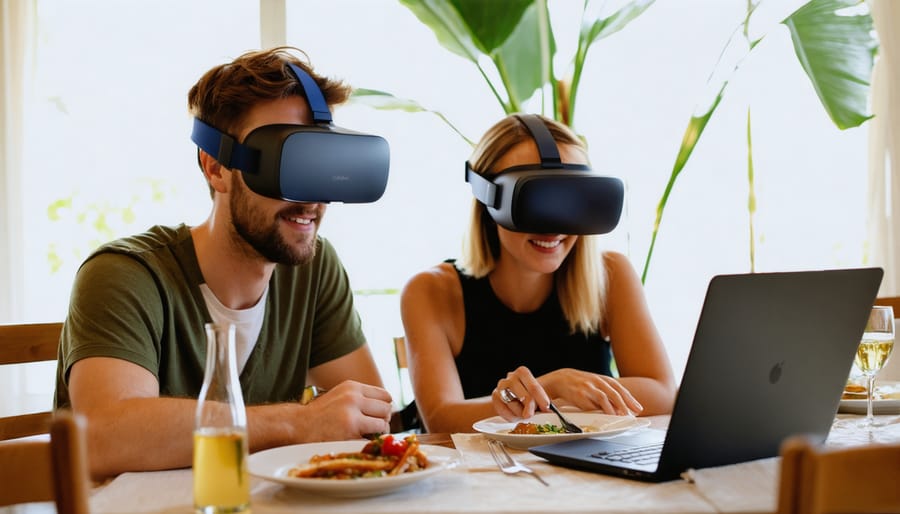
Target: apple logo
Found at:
775, 372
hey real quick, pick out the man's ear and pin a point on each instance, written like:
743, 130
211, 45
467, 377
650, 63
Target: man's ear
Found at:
217, 176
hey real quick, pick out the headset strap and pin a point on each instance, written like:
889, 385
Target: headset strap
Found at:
483, 189
545, 143
314, 96
224, 148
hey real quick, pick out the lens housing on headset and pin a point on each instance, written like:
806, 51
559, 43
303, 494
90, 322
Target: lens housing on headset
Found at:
550, 197
303, 163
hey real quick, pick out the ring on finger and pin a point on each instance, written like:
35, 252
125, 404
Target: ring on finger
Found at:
507, 395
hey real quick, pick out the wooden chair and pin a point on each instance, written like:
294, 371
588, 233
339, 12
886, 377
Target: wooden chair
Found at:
407, 418
21, 344
849, 480
892, 301
54, 469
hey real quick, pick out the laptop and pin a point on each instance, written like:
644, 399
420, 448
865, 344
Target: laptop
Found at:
770, 359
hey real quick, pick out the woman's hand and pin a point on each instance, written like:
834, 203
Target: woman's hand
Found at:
581, 389
519, 395
590, 391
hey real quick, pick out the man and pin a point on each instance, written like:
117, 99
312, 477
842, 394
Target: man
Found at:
133, 345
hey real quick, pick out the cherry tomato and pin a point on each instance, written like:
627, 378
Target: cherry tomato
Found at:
391, 446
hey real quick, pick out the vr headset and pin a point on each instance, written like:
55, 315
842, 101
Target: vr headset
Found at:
303, 163
549, 197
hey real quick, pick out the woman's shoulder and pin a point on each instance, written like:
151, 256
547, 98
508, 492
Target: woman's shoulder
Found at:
433, 296
441, 279
614, 260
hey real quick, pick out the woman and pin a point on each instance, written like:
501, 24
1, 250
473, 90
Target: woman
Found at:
522, 319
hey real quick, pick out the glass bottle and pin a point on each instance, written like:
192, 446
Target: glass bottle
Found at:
221, 481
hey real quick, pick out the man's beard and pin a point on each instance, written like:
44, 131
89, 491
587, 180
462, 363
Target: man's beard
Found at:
263, 235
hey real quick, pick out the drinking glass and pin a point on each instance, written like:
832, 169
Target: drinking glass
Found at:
874, 351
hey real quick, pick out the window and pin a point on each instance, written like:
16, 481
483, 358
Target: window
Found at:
108, 150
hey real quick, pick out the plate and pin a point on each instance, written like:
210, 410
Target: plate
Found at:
888, 405
273, 465
606, 426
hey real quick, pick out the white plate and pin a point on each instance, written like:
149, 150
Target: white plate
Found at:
606, 426
889, 405
273, 464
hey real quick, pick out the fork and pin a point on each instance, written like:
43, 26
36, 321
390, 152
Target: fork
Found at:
567, 425
508, 464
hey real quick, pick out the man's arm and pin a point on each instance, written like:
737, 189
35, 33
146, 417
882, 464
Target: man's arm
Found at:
357, 365
131, 428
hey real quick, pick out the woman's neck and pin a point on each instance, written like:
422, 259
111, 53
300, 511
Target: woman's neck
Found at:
519, 289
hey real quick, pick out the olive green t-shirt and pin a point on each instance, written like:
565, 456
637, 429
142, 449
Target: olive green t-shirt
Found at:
138, 299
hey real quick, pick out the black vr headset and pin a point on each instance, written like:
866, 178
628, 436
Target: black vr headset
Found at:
303, 163
550, 197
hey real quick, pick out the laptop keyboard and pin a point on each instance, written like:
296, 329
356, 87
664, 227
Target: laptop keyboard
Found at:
640, 455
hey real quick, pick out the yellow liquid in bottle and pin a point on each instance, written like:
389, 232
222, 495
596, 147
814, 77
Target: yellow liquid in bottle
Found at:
221, 482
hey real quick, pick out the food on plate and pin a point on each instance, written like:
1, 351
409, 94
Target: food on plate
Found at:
854, 391
385, 455
544, 428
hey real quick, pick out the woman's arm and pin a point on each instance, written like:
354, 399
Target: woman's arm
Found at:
431, 306
643, 365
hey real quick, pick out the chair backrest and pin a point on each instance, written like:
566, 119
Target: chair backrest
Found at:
407, 418
893, 301
54, 469
848, 480
400, 352
21, 344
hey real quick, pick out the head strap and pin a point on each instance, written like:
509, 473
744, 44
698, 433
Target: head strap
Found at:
314, 96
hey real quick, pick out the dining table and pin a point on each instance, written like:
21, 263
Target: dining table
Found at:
475, 484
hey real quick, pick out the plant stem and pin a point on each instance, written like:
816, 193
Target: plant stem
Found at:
546, 57
751, 195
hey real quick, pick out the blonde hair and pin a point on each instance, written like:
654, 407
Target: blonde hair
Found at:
581, 279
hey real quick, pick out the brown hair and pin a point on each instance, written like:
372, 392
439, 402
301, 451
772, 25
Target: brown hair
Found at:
581, 279
225, 94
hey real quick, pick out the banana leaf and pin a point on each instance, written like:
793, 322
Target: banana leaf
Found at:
591, 32
836, 47
387, 102
525, 58
471, 28
837, 52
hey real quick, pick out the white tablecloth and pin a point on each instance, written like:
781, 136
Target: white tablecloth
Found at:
477, 486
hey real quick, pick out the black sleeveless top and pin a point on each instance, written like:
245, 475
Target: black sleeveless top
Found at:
499, 340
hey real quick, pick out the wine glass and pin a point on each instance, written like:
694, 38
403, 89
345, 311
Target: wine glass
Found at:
874, 350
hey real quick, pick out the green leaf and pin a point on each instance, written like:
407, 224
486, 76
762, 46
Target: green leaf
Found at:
591, 31
461, 27
837, 50
387, 102
522, 60
688, 142
54, 208
490, 22
449, 27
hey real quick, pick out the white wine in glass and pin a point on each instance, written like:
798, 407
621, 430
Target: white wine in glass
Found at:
874, 350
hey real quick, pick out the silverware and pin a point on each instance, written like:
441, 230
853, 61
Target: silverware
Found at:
508, 464
567, 425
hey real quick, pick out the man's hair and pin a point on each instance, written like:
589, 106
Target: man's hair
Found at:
225, 94
581, 278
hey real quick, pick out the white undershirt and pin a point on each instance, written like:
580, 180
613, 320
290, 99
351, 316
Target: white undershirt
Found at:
247, 322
